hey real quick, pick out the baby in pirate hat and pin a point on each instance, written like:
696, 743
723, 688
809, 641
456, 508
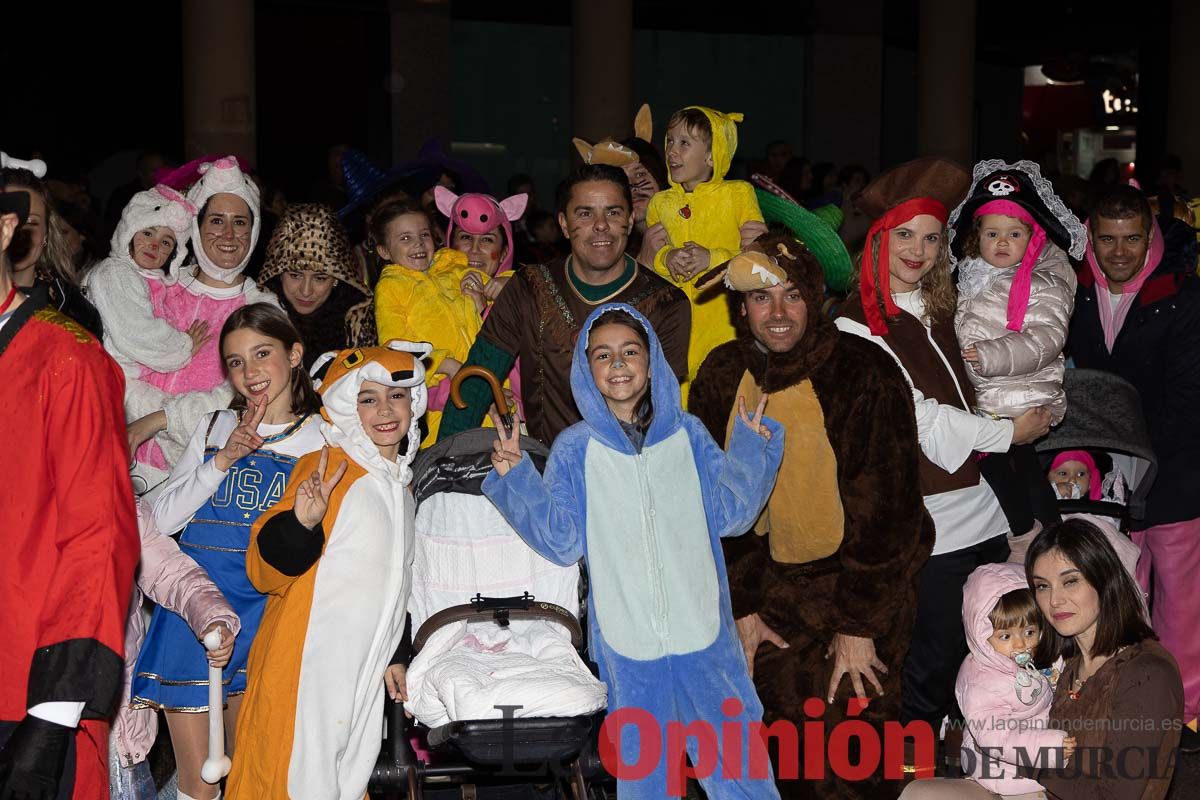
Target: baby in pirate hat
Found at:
1016, 292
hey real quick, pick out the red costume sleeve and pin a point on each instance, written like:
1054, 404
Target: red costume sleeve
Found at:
87, 583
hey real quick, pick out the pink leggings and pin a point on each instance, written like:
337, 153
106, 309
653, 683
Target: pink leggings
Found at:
1171, 559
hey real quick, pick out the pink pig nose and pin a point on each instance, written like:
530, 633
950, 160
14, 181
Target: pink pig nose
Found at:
476, 215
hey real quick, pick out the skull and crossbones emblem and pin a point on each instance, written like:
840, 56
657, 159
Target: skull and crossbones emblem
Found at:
1002, 186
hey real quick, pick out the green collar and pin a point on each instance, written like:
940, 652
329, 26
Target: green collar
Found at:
594, 295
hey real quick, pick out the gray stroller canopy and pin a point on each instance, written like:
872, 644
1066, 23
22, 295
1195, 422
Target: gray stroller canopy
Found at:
1105, 413
461, 462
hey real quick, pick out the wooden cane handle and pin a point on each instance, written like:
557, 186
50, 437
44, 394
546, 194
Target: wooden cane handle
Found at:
479, 372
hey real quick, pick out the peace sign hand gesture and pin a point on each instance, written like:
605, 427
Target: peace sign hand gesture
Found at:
755, 423
312, 496
507, 447
244, 440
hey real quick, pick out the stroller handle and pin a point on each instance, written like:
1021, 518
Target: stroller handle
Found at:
502, 611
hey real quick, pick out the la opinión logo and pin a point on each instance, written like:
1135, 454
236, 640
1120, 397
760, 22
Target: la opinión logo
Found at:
723, 749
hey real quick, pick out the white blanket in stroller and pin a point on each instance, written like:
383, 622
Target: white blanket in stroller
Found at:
464, 671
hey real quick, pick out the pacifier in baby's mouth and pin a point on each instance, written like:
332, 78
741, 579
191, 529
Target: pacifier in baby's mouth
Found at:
1069, 490
1026, 672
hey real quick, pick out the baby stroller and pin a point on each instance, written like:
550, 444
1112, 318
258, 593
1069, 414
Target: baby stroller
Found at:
1104, 414
496, 684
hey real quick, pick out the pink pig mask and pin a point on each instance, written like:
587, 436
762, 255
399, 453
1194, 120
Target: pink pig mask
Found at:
480, 213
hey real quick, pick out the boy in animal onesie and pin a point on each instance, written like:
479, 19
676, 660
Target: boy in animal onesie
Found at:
335, 557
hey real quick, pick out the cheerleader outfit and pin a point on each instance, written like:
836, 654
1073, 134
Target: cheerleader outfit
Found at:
218, 509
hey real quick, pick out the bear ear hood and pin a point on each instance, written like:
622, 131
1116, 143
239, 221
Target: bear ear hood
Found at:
614, 153
664, 387
160, 206
338, 376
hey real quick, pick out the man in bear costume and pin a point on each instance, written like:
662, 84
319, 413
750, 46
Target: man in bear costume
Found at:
824, 587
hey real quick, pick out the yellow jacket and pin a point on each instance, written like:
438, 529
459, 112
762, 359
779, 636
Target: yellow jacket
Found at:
429, 307
716, 209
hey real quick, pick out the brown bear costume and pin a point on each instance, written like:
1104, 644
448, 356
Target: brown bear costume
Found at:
842, 540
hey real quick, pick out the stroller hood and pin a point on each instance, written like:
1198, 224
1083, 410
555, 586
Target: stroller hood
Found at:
1105, 413
461, 462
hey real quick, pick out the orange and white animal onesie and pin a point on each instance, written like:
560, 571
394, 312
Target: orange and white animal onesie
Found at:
311, 721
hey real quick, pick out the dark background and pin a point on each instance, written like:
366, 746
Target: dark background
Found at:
85, 82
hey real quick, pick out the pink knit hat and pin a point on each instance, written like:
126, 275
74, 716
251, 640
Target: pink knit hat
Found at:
1085, 458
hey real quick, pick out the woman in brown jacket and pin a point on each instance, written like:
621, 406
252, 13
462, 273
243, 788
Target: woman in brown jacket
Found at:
1119, 694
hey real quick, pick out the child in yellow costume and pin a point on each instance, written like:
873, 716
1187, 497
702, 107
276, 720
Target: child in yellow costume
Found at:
705, 217
419, 296
334, 557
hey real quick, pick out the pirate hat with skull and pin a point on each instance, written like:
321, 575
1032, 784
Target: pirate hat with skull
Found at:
1020, 183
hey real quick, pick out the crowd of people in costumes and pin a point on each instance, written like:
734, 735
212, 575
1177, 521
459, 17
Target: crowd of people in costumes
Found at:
796, 478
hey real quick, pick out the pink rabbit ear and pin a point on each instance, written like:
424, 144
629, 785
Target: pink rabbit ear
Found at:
445, 199
513, 207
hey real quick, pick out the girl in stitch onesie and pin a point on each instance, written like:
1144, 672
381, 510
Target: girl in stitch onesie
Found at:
419, 296
234, 468
640, 476
706, 218
165, 406
153, 231
335, 558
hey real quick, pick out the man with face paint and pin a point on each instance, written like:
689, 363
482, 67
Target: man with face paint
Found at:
70, 542
824, 588
539, 313
1137, 314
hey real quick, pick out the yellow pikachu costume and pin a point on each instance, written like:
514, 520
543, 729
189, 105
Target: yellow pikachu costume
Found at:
710, 216
337, 596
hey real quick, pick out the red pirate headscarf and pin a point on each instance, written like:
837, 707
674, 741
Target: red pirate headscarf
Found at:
925, 186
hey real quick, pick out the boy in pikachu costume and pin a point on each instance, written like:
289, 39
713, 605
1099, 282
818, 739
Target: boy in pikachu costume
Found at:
335, 557
703, 215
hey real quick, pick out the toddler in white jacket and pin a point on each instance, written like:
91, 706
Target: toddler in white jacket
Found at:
153, 232
1016, 292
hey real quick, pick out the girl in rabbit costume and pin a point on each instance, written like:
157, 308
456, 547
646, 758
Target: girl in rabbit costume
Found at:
149, 245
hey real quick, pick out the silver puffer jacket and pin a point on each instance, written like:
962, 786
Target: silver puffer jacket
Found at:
1017, 371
